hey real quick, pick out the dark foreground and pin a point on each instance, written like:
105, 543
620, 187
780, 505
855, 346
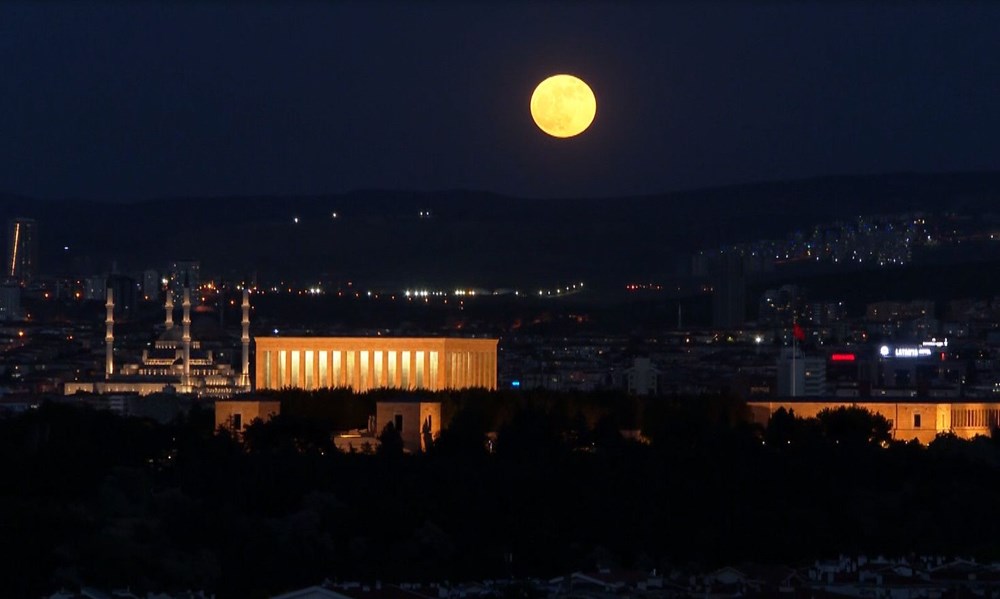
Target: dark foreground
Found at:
91, 498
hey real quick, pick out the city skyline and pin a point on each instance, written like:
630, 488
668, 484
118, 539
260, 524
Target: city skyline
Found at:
447, 299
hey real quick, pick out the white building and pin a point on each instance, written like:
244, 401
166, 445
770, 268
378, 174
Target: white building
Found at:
800, 375
642, 378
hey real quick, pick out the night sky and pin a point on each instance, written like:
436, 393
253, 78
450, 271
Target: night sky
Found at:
132, 100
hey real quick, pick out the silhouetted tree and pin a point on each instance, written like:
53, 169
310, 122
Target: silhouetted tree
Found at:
785, 428
286, 434
854, 425
465, 434
390, 442
531, 434
606, 433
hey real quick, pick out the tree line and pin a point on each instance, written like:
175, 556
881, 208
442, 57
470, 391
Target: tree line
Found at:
92, 498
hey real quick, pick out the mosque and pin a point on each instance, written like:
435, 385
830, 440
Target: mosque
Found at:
176, 362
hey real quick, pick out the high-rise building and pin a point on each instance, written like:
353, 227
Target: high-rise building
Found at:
184, 273
728, 291
151, 285
95, 288
125, 292
22, 249
10, 302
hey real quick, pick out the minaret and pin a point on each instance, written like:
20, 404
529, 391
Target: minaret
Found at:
186, 339
109, 336
170, 309
245, 372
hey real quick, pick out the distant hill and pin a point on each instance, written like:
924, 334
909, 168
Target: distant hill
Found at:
473, 238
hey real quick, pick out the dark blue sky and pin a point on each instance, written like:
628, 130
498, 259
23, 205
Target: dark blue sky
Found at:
122, 100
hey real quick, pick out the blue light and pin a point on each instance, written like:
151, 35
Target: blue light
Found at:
515, 384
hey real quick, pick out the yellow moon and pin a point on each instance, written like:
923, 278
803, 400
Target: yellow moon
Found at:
563, 106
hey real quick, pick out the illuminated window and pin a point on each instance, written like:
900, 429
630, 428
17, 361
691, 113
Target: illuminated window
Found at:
405, 371
433, 384
392, 369
364, 382
377, 380
267, 370
323, 382
420, 370
309, 369
338, 375
350, 369
477, 369
282, 380
296, 380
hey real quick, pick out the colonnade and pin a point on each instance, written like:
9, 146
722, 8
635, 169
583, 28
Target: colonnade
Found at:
360, 364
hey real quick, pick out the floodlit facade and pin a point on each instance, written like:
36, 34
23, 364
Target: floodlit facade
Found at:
920, 420
417, 422
236, 415
365, 363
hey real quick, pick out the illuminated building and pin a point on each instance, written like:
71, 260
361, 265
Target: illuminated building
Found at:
920, 420
236, 414
176, 361
22, 249
365, 363
417, 422
183, 273
924, 368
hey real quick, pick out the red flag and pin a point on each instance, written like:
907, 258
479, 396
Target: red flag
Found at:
798, 332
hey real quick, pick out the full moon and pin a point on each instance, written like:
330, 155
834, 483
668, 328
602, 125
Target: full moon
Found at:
563, 106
